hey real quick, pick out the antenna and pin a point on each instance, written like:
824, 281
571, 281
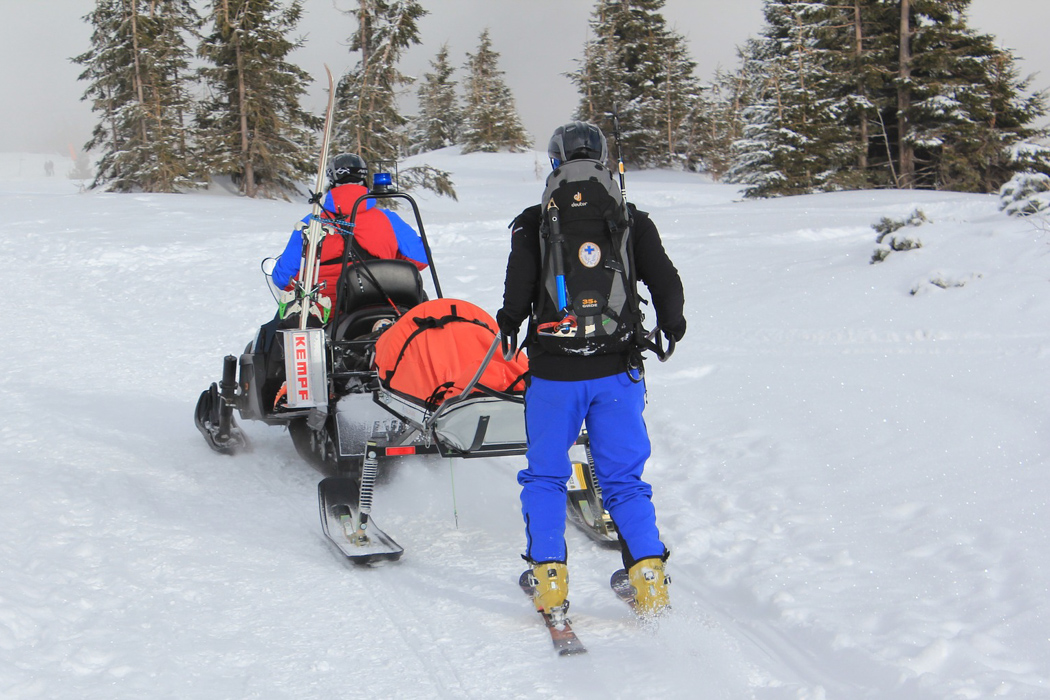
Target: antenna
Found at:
619, 157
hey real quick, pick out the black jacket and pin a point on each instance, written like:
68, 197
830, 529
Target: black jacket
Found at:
652, 267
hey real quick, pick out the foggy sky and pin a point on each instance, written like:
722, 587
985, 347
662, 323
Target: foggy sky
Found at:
538, 42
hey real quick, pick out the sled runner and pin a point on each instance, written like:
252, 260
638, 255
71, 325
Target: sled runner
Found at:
392, 374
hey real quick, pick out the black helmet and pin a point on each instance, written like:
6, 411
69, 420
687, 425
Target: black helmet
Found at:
347, 168
577, 140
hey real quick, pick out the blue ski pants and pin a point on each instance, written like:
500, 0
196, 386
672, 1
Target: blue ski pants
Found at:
611, 408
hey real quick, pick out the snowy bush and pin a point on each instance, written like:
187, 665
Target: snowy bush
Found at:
1026, 193
889, 239
944, 280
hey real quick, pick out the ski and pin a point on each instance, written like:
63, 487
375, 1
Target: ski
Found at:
565, 641
620, 582
306, 289
353, 533
621, 586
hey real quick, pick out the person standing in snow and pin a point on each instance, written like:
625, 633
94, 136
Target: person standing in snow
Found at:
603, 391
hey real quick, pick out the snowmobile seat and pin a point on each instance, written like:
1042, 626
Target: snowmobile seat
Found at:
398, 280
363, 302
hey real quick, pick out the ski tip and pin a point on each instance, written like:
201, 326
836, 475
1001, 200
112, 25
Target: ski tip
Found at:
573, 650
373, 561
620, 583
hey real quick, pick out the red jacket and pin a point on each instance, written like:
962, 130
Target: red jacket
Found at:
380, 233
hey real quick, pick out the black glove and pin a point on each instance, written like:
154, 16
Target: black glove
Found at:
507, 328
675, 330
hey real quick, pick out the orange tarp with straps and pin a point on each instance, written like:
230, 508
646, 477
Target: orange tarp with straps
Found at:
432, 352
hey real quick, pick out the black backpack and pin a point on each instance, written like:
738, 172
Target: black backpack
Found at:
585, 239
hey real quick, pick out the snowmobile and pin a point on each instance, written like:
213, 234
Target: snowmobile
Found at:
349, 408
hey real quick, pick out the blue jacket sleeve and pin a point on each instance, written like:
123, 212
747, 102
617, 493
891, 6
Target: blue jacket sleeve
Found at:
287, 265
409, 243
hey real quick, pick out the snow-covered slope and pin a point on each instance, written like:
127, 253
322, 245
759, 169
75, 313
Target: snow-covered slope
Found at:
849, 464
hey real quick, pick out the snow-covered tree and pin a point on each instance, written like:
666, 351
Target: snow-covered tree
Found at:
921, 99
857, 45
490, 121
636, 66
967, 106
722, 126
138, 80
440, 119
794, 138
369, 121
677, 113
252, 126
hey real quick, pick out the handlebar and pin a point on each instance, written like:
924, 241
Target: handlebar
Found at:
655, 341
509, 346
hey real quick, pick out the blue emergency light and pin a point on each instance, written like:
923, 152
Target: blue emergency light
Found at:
382, 182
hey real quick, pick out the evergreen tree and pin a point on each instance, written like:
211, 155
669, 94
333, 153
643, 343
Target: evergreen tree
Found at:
635, 65
603, 57
252, 126
795, 139
491, 121
722, 107
964, 105
369, 121
137, 74
440, 119
857, 43
677, 113
922, 100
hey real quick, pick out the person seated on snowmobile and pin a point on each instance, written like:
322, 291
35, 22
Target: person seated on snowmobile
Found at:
377, 234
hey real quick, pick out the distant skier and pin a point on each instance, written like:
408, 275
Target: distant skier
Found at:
600, 386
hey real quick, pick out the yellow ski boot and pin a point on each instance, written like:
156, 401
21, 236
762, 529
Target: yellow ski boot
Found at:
650, 586
551, 587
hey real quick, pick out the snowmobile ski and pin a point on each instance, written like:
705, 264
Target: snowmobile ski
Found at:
565, 641
585, 507
213, 417
354, 533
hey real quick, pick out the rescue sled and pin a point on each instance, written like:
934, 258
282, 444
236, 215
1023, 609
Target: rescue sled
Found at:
392, 374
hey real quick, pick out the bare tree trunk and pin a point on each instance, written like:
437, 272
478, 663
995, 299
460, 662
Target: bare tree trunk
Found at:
669, 116
906, 152
139, 90
250, 188
365, 32
863, 138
